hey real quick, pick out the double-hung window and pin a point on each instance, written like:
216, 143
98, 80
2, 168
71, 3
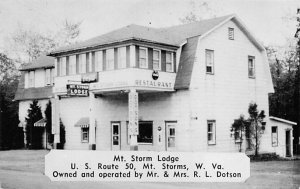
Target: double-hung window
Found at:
156, 60
122, 57
63, 66
84, 135
48, 77
251, 66
143, 61
169, 62
274, 136
72, 65
209, 60
231, 33
211, 132
31, 79
82, 63
110, 61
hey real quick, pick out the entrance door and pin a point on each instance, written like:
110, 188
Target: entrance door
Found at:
171, 136
115, 131
288, 142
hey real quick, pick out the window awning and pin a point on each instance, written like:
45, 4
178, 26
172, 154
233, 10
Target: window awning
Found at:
84, 122
40, 123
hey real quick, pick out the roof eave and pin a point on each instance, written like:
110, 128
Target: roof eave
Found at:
42, 67
133, 39
282, 120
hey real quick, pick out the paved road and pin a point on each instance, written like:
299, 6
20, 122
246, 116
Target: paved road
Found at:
24, 170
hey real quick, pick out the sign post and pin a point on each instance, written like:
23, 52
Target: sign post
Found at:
133, 128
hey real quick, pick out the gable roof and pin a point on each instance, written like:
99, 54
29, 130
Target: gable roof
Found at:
174, 35
41, 62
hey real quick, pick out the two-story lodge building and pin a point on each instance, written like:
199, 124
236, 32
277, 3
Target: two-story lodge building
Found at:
179, 88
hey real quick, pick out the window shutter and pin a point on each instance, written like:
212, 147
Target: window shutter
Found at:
150, 58
163, 60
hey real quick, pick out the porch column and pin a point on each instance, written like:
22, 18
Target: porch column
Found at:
56, 121
133, 113
92, 129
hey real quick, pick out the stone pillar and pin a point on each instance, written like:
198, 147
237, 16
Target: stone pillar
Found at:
92, 129
133, 113
56, 121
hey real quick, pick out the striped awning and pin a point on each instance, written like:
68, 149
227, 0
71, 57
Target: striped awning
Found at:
84, 122
40, 123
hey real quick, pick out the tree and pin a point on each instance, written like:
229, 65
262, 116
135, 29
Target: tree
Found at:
34, 134
198, 11
27, 45
239, 126
256, 124
10, 133
62, 135
48, 115
297, 83
253, 127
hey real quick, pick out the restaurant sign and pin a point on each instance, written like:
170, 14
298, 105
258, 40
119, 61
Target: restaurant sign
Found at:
77, 90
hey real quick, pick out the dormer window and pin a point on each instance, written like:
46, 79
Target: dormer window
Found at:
143, 58
156, 60
231, 33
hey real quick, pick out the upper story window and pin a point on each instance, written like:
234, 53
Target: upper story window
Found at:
211, 132
143, 61
63, 66
122, 57
31, 79
251, 66
82, 63
169, 62
209, 61
110, 59
156, 60
231, 33
48, 77
72, 65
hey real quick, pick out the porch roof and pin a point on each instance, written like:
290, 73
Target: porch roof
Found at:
282, 120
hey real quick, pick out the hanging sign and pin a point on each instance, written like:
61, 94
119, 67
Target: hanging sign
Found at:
77, 90
133, 128
89, 77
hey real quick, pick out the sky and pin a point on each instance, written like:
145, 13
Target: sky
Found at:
264, 18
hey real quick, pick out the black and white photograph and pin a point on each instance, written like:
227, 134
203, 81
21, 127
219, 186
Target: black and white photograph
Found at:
149, 94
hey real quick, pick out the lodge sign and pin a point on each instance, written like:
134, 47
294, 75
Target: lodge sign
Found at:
77, 90
89, 77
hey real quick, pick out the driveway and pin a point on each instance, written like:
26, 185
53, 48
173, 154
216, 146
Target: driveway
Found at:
24, 169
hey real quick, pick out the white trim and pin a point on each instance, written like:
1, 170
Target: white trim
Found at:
283, 120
